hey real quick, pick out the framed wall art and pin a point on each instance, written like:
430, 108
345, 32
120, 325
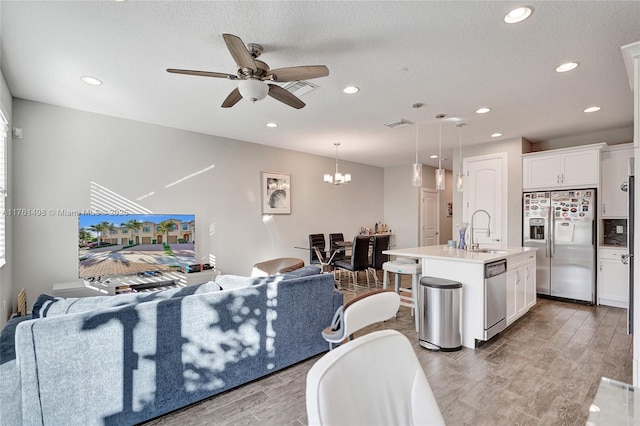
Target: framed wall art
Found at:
276, 193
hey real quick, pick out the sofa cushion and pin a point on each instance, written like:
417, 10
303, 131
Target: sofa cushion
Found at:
47, 305
305, 271
233, 282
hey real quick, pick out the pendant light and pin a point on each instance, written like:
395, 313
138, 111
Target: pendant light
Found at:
440, 176
416, 175
460, 177
337, 178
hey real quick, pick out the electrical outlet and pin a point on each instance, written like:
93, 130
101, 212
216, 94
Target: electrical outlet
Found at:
619, 229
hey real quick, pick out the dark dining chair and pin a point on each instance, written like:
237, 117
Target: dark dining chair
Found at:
333, 239
359, 259
316, 240
380, 244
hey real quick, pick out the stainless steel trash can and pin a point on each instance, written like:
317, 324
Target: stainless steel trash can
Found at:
439, 314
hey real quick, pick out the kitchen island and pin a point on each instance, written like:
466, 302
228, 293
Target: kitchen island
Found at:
468, 268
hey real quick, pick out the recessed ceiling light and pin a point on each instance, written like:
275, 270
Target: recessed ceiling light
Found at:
350, 90
433, 156
567, 67
593, 109
518, 15
483, 110
91, 80
496, 135
272, 124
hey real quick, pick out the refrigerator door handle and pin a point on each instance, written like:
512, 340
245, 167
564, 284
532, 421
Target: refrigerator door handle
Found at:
552, 225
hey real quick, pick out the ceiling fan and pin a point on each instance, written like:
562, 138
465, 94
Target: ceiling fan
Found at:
253, 73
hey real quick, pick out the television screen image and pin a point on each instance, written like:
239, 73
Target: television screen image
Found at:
127, 244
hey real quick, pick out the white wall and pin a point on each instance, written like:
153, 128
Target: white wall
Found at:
513, 148
610, 136
64, 150
402, 204
8, 296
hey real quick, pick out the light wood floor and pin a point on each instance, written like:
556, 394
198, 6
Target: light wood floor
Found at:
543, 370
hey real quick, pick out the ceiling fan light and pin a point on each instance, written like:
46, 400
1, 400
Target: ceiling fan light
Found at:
253, 89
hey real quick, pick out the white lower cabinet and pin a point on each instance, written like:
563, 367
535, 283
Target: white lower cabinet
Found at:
521, 286
613, 278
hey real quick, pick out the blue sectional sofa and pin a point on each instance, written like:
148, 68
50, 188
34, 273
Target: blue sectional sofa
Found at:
121, 362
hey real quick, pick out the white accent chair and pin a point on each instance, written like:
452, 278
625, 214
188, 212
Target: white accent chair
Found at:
363, 310
400, 267
375, 379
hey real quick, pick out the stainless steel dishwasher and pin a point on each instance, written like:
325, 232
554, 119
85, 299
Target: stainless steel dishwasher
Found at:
495, 298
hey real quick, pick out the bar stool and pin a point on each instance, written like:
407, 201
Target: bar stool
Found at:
399, 268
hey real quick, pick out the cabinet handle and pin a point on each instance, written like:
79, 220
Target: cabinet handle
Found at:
601, 265
558, 178
604, 208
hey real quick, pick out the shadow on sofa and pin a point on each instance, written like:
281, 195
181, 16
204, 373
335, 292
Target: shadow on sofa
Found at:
127, 364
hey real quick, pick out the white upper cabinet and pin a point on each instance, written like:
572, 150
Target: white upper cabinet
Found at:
615, 171
577, 167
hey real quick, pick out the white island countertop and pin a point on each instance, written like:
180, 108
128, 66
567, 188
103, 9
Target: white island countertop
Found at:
444, 252
469, 269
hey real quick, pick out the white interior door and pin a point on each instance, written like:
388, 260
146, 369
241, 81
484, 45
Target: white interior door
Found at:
429, 219
486, 189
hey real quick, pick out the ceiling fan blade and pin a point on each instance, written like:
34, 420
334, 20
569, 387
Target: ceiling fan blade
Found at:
239, 52
298, 73
284, 96
232, 99
203, 73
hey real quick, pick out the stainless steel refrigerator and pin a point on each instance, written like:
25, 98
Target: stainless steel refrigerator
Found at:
561, 225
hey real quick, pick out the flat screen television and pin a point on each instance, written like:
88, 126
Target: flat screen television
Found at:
127, 244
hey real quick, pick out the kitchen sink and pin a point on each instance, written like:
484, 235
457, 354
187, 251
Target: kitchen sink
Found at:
491, 251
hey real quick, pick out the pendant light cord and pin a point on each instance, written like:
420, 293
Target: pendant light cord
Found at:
440, 149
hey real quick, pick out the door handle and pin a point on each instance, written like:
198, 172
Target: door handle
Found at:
625, 258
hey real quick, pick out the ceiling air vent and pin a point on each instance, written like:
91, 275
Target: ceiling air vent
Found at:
399, 123
299, 88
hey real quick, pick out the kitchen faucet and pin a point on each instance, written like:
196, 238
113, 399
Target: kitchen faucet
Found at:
472, 245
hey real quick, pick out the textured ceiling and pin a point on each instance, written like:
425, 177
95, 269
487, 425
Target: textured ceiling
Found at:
452, 56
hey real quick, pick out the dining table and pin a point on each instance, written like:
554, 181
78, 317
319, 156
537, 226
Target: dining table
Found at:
327, 262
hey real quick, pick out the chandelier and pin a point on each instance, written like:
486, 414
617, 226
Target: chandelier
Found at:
337, 178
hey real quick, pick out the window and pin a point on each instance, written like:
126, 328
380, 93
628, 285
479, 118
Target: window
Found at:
4, 131
185, 227
146, 229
